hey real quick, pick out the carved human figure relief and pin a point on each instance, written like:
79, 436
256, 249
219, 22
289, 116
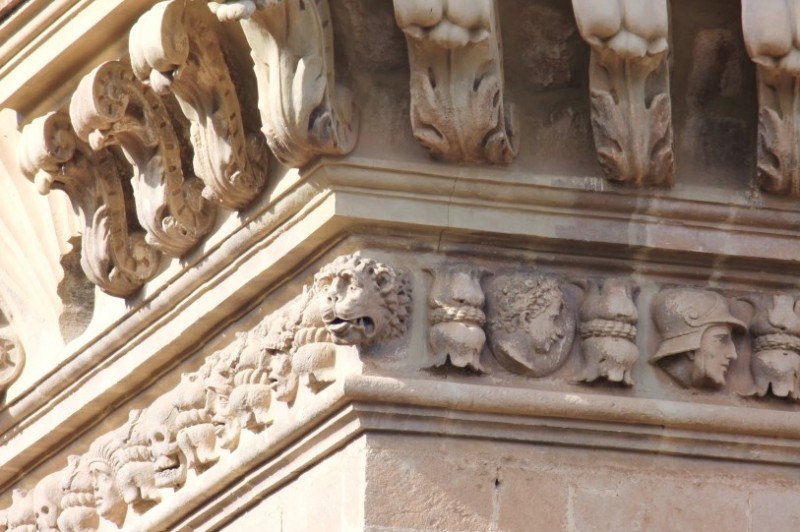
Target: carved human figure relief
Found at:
78, 512
629, 88
174, 47
112, 107
695, 326
354, 301
772, 39
114, 253
46, 502
531, 324
775, 362
304, 113
181, 431
20, 516
456, 317
457, 103
608, 318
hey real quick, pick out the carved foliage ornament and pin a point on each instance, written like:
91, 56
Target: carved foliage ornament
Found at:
114, 254
111, 107
608, 317
457, 106
174, 47
773, 42
629, 88
775, 363
531, 323
456, 317
304, 113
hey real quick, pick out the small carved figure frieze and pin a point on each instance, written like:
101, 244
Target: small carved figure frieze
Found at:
608, 318
531, 323
775, 362
78, 512
457, 103
304, 112
696, 327
20, 516
771, 37
629, 88
456, 317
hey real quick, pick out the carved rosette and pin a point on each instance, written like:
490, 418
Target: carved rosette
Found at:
174, 47
114, 254
775, 363
608, 318
304, 113
111, 107
12, 358
629, 88
456, 317
457, 103
531, 323
772, 41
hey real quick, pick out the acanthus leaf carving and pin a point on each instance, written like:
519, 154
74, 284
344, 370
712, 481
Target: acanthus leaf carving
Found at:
456, 317
114, 254
304, 113
111, 107
174, 47
457, 102
608, 318
771, 37
531, 323
629, 88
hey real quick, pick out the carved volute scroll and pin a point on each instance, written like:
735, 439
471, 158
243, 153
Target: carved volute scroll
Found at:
110, 107
304, 113
174, 47
457, 102
773, 42
531, 324
456, 317
629, 88
696, 346
775, 363
608, 317
114, 254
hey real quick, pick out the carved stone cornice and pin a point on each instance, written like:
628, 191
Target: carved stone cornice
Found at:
111, 107
458, 110
174, 47
304, 113
629, 88
113, 256
773, 42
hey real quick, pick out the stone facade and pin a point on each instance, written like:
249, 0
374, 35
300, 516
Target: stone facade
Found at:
409, 265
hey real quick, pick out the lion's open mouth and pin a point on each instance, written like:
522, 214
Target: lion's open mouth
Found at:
339, 325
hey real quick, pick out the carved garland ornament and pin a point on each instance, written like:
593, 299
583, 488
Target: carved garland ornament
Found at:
773, 42
304, 113
174, 47
457, 103
354, 301
114, 257
111, 107
629, 88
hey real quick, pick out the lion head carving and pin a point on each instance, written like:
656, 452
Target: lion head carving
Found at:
361, 301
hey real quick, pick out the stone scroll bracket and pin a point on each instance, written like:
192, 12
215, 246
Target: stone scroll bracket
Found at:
458, 110
629, 88
304, 113
114, 253
773, 42
174, 48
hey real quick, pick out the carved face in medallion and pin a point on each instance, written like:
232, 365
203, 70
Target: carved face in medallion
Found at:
547, 327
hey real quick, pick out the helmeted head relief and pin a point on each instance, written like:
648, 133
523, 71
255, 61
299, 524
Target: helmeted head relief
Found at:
683, 315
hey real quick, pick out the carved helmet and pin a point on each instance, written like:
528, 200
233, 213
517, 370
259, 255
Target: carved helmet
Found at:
683, 315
